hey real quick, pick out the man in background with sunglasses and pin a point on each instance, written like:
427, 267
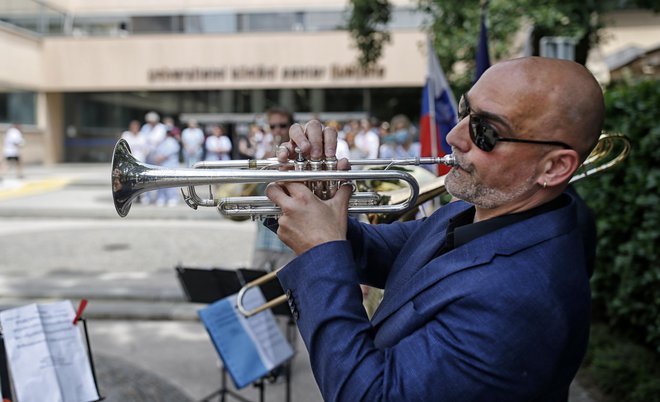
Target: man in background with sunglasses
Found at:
488, 299
269, 252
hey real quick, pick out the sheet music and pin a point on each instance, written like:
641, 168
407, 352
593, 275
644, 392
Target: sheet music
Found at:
46, 354
271, 343
249, 348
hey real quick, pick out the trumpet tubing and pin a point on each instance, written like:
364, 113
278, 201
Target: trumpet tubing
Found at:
130, 178
261, 205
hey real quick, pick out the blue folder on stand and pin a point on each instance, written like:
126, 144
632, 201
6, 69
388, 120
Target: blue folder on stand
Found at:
249, 347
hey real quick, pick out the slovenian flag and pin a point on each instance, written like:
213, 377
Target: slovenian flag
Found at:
439, 114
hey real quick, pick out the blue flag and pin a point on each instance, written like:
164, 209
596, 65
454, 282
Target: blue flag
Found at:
483, 60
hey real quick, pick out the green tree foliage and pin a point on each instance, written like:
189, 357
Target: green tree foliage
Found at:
454, 28
626, 281
368, 27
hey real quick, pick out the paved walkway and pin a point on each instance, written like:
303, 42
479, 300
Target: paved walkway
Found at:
60, 238
121, 381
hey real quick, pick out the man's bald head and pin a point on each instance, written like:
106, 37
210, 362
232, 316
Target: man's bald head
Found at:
560, 100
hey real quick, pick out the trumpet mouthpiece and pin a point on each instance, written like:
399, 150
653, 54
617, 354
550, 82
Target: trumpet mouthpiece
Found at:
449, 160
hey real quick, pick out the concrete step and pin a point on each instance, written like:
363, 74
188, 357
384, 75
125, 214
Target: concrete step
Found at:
100, 309
147, 286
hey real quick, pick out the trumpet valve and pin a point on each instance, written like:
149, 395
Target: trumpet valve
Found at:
332, 185
300, 163
316, 186
331, 163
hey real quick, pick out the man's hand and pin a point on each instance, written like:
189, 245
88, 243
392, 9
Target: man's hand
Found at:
308, 221
315, 141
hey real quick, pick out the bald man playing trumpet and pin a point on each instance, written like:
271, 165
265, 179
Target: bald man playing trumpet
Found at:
488, 299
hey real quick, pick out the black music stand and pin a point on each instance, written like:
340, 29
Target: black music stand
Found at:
4, 371
91, 359
207, 285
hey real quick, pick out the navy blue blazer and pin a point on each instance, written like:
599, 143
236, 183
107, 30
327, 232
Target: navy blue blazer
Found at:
504, 317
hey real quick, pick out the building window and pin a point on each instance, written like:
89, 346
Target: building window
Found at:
324, 20
388, 102
301, 100
18, 107
344, 100
101, 26
210, 23
272, 98
4, 112
242, 101
405, 18
269, 22
157, 24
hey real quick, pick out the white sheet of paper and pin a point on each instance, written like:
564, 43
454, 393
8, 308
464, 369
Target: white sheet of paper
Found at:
266, 334
46, 354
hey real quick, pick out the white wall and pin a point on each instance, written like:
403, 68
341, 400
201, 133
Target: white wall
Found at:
22, 61
103, 6
630, 28
309, 60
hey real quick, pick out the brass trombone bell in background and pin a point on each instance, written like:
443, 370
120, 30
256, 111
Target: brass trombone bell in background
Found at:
610, 150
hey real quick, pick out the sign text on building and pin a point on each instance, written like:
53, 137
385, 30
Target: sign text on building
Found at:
334, 72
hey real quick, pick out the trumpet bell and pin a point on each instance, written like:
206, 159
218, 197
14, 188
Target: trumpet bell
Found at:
125, 170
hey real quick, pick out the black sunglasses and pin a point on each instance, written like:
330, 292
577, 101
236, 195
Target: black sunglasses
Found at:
282, 126
485, 136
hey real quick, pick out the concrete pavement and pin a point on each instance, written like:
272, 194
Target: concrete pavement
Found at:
60, 238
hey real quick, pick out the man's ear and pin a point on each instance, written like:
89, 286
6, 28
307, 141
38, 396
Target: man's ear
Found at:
558, 167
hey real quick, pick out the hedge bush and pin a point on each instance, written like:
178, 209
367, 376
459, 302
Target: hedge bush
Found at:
623, 370
625, 199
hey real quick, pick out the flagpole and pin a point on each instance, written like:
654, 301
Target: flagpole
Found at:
431, 99
482, 56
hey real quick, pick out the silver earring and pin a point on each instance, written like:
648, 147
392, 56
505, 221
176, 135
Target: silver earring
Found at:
545, 184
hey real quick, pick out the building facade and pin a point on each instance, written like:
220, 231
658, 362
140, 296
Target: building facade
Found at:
75, 72
81, 71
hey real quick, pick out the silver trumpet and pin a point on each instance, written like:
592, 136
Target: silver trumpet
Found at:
130, 178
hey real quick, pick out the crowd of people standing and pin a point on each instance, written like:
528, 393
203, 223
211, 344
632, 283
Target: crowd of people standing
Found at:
165, 144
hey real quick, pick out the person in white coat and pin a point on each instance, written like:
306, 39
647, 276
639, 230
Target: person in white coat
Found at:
12, 148
218, 145
166, 155
192, 140
367, 140
136, 141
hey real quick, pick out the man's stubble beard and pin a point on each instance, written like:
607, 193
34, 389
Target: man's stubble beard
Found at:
464, 186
